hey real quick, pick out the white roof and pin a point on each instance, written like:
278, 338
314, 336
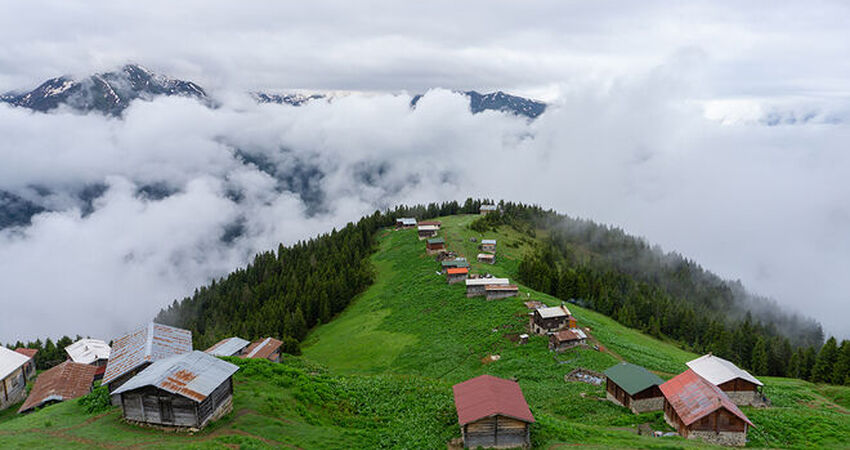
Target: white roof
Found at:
489, 241
10, 361
87, 351
486, 255
429, 227
228, 347
406, 221
486, 281
718, 371
553, 311
488, 207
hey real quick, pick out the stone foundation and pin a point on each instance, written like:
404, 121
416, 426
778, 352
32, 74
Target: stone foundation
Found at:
612, 399
647, 404
746, 398
730, 438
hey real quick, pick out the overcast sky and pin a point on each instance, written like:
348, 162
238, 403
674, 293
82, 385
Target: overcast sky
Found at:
657, 124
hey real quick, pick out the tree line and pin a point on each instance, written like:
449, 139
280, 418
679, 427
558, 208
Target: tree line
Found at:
668, 296
287, 292
49, 353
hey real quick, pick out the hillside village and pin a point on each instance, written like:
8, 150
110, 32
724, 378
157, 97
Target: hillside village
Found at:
157, 381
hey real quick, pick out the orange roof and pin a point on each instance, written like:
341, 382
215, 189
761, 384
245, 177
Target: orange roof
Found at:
63, 382
28, 352
693, 397
457, 270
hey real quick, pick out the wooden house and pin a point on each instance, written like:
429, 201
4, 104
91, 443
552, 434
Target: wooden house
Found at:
492, 413
134, 351
435, 245
551, 319
405, 222
696, 408
497, 291
93, 352
487, 258
65, 381
268, 348
427, 231
181, 391
13, 378
232, 346
435, 223
634, 387
486, 209
456, 263
488, 245
566, 339
456, 274
478, 286
29, 366
738, 384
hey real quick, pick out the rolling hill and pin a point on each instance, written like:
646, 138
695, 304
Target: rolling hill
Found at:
379, 374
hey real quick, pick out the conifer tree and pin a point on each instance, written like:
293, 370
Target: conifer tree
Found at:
822, 370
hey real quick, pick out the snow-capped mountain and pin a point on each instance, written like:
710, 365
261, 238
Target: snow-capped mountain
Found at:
109, 92
499, 101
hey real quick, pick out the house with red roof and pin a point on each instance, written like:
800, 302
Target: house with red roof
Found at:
456, 274
62, 382
265, 348
696, 408
492, 413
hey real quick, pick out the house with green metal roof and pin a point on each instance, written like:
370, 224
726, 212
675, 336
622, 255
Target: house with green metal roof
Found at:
435, 245
634, 387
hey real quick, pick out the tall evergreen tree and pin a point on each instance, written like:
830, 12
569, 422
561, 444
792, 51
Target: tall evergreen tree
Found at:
822, 370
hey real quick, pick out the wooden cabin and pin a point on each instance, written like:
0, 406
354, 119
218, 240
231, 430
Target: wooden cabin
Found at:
492, 413
268, 348
478, 286
134, 351
696, 408
65, 381
634, 387
566, 339
232, 346
29, 366
551, 319
456, 263
456, 275
486, 209
427, 231
435, 223
405, 222
497, 291
435, 245
488, 245
738, 384
182, 391
93, 352
13, 377
487, 258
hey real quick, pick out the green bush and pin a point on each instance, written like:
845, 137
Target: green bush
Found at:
96, 401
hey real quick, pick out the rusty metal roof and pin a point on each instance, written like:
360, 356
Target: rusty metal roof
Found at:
569, 335
87, 351
194, 375
149, 343
693, 397
263, 348
457, 271
28, 352
10, 361
487, 396
63, 382
431, 222
501, 287
228, 346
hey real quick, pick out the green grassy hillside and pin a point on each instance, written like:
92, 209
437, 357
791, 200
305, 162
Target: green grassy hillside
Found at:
380, 374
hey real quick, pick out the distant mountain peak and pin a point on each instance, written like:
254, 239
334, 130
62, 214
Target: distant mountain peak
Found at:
499, 101
109, 92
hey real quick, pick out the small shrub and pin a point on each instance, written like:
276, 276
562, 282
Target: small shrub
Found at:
96, 401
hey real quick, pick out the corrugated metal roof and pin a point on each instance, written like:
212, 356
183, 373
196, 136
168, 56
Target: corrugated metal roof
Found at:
228, 346
431, 222
63, 382
28, 352
10, 361
407, 221
693, 397
457, 271
501, 287
428, 227
632, 378
486, 396
193, 375
488, 208
572, 334
489, 241
718, 370
486, 256
553, 311
436, 241
87, 351
149, 343
486, 281
459, 262
262, 348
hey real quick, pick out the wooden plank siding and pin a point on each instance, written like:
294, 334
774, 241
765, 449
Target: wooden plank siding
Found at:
496, 431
